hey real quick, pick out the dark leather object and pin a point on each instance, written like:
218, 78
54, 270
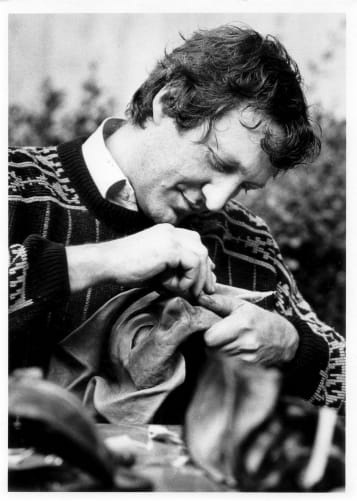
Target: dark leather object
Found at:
49, 419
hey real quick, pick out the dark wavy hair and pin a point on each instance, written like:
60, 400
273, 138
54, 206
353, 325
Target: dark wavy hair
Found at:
218, 70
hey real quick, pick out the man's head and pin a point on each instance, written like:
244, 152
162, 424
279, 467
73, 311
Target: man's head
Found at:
222, 112
221, 69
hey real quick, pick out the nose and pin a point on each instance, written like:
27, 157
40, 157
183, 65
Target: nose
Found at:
217, 195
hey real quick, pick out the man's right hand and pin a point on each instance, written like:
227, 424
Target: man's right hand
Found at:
174, 258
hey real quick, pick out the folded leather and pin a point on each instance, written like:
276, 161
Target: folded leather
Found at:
81, 364
87, 361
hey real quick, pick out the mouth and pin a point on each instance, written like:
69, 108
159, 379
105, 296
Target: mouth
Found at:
191, 205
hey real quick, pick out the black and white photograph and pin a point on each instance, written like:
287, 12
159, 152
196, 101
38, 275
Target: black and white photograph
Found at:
177, 247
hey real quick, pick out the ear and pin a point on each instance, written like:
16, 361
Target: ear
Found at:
157, 109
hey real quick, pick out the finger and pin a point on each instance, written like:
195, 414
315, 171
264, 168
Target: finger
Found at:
235, 350
247, 295
211, 263
210, 286
249, 356
203, 270
222, 305
205, 279
211, 279
226, 331
229, 350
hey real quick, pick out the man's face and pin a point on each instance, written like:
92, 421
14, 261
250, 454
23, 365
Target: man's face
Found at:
179, 175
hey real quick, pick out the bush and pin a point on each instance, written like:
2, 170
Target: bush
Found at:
51, 124
304, 208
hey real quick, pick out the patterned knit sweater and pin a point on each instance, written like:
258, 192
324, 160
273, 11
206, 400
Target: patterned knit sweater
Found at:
53, 203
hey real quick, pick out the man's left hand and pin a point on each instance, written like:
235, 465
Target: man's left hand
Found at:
249, 332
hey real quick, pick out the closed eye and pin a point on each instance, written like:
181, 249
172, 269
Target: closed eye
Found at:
231, 168
220, 165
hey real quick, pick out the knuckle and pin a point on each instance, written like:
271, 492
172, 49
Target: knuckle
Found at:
185, 286
166, 227
204, 253
195, 235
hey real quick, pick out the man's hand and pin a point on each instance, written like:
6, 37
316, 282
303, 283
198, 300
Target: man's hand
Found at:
174, 257
249, 332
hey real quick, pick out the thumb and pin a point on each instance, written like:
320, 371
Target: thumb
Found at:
220, 304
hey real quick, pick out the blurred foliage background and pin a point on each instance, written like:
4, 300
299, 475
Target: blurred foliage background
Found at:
305, 208
306, 211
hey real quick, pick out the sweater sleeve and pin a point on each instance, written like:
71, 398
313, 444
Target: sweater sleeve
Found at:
317, 372
38, 274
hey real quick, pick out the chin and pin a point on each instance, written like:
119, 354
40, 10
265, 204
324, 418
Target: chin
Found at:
168, 217
174, 220
165, 214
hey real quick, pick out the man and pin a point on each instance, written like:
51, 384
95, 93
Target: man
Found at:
149, 202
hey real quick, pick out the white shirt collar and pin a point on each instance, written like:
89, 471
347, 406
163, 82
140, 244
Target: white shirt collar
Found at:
104, 170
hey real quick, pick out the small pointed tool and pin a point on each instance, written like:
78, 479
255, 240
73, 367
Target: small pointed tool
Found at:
247, 295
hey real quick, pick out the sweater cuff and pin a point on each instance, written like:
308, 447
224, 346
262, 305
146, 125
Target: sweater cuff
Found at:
302, 376
47, 277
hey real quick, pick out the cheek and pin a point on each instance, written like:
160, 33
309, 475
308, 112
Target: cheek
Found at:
172, 163
193, 168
